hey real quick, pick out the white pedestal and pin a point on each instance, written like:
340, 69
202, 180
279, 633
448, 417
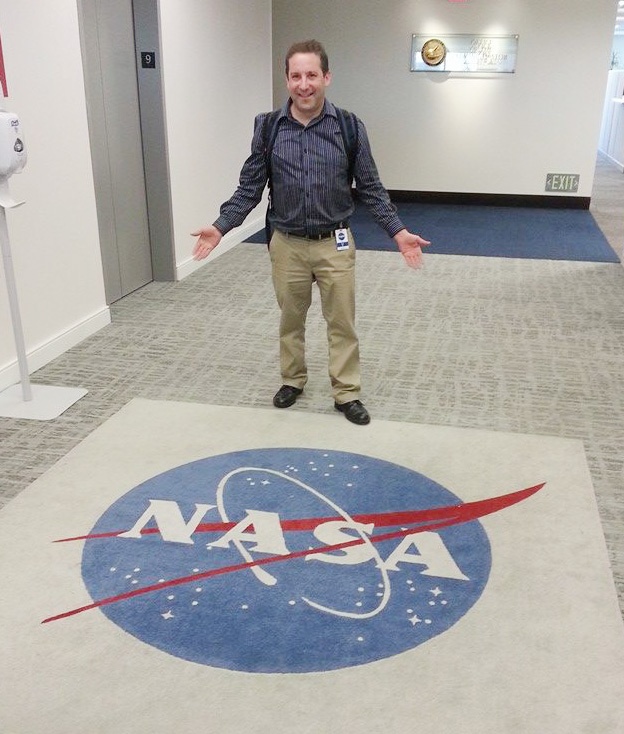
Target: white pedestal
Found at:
47, 402
36, 402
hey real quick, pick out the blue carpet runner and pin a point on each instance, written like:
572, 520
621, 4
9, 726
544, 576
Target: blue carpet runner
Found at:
490, 231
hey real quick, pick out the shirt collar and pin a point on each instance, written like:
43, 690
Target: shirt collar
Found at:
328, 109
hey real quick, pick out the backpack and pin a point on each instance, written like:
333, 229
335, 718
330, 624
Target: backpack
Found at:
348, 127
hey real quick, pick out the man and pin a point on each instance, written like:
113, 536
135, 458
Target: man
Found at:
311, 203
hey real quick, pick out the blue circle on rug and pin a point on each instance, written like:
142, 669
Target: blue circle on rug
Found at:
285, 560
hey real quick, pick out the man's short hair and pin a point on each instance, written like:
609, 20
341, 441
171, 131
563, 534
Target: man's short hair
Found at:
309, 47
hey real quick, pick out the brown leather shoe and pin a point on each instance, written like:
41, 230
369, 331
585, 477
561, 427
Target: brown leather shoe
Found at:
286, 396
354, 411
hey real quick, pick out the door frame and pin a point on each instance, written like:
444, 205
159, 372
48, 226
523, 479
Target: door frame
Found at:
153, 142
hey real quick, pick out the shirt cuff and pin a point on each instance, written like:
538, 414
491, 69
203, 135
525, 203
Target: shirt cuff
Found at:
394, 227
222, 225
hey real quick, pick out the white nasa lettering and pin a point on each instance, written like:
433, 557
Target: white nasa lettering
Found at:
267, 535
432, 553
169, 521
331, 533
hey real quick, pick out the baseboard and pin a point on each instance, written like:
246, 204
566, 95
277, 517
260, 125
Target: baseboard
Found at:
230, 240
54, 347
517, 200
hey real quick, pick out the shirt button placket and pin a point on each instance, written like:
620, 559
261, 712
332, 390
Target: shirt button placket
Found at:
306, 175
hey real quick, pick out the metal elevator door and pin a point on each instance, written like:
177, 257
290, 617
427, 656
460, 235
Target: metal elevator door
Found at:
109, 62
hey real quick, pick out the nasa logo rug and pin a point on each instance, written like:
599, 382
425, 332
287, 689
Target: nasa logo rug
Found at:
288, 560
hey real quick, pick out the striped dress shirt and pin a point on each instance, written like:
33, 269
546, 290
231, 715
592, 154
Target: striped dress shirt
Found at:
310, 190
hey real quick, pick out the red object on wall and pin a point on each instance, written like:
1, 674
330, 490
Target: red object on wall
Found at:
3, 82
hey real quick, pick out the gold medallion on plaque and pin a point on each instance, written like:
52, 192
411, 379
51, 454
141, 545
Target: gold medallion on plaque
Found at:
433, 52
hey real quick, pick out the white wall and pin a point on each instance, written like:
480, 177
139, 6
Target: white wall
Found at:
217, 77
54, 236
217, 69
431, 133
612, 130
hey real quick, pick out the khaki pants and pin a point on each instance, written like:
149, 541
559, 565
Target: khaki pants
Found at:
295, 260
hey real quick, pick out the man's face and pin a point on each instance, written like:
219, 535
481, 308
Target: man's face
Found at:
306, 84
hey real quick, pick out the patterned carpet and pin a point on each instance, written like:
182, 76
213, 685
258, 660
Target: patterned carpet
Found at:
508, 345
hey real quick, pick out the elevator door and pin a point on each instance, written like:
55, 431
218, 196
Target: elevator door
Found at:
109, 60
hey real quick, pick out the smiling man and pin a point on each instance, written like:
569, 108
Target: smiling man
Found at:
304, 154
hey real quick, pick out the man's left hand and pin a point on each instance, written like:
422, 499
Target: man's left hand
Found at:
410, 247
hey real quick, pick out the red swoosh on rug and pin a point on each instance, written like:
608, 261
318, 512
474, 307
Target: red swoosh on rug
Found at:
432, 519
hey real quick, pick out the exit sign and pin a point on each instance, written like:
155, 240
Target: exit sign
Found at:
562, 182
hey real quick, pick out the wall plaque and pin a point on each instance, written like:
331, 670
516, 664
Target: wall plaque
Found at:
464, 53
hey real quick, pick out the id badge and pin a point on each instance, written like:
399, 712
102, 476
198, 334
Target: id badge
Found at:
342, 239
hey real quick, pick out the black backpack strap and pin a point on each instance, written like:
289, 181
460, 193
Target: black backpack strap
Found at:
269, 133
349, 129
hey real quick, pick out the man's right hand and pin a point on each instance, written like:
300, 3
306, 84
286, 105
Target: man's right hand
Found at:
208, 239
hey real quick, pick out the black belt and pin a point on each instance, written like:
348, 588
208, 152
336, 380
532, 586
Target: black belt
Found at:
317, 234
